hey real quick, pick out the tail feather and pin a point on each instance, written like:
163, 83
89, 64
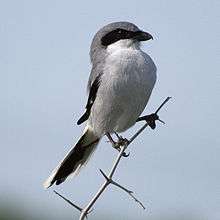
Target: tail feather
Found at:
74, 160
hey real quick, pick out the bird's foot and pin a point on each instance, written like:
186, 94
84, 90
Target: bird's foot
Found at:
118, 144
151, 120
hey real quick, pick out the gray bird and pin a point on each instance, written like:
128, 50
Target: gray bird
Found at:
119, 87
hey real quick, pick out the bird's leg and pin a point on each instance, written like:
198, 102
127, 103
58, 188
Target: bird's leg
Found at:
121, 142
150, 119
111, 139
117, 145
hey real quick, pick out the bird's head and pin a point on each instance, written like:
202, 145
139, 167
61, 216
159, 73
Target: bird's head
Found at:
123, 34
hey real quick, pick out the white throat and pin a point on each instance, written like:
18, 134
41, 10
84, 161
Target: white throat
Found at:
123, 44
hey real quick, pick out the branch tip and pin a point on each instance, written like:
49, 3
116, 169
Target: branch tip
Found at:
163, 103
161, 121
68, 201
130, 193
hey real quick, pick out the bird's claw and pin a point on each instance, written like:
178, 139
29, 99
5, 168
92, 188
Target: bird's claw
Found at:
125, 155
121, 142
151, 120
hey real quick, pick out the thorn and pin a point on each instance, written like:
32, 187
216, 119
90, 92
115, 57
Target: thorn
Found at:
105, 176
130, 193
122, 187
161, 121
68, 201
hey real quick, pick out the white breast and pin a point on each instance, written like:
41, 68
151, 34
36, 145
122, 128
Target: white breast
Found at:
127, 82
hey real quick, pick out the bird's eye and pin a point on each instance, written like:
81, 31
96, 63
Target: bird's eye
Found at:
119, 31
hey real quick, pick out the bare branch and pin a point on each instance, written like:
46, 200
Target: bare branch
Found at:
123, 144
104, 185
130, 193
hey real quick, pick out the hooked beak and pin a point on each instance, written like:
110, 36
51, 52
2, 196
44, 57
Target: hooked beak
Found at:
143, 36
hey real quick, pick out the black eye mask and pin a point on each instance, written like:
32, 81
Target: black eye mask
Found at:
117, 35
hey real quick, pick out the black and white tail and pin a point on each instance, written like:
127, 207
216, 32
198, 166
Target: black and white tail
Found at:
75, 159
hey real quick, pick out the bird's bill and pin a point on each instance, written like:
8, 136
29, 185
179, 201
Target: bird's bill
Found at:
143, 36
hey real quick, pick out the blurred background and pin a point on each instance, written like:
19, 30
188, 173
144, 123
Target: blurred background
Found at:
44, 67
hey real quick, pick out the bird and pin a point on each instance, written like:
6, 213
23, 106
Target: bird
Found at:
119, 86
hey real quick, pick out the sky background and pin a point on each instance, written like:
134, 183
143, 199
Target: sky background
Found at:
44, 67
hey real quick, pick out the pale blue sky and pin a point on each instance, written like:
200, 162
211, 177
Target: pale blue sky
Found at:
44, 67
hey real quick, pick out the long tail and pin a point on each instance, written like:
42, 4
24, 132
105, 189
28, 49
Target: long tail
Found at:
75, 159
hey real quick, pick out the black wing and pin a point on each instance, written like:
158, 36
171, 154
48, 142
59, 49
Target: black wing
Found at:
91, 99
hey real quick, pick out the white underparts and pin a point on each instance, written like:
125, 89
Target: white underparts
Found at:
123, 44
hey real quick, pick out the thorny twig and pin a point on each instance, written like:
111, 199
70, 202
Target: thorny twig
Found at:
68, 201
108, 178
